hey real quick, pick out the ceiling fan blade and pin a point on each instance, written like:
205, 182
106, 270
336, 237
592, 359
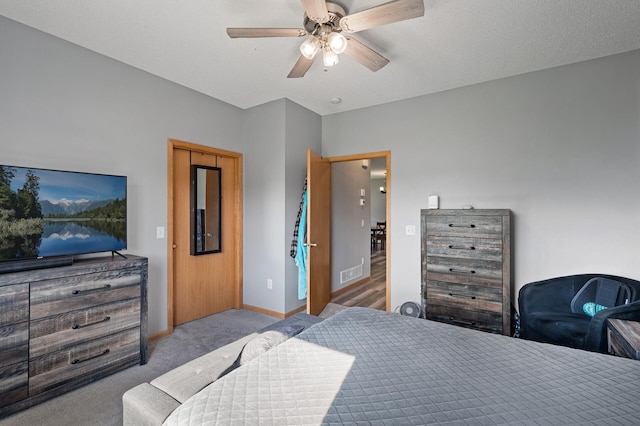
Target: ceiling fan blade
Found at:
265, 32
301, 67
394, 11
365, 55
316, 10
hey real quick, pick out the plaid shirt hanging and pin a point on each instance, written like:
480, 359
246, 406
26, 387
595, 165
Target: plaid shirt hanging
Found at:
294, 242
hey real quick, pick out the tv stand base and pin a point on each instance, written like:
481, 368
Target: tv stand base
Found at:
114, 252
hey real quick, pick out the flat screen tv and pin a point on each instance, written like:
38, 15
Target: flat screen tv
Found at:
53, 213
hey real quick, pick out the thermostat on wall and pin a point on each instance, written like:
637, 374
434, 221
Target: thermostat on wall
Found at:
434, 201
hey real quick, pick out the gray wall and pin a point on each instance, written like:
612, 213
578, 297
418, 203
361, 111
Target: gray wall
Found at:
378, 202
350, 229
559, 147
277, 136
303, 130
264, 198
64, 107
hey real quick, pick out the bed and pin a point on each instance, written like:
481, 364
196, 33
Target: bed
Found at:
363, 366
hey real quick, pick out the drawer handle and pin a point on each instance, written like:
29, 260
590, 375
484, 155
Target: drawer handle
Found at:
461, 271
453, 225
77, 326
461, 296
78, 361
457, 321
462, 247
106, 287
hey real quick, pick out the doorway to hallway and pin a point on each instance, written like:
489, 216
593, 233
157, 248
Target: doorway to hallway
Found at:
372, 290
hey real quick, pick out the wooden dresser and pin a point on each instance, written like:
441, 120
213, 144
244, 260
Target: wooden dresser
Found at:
466, 268
623, 338
64, 327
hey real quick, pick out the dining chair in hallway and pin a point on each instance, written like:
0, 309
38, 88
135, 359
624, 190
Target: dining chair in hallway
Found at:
379, 235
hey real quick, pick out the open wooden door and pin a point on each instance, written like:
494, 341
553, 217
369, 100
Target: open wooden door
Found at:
318, 233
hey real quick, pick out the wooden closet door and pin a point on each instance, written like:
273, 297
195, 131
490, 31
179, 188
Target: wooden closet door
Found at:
203, 284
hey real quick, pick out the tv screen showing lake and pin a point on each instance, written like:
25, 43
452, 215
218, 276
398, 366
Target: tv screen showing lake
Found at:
64, 238
47, 213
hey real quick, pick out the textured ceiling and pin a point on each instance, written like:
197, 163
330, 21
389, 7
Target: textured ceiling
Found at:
456, 43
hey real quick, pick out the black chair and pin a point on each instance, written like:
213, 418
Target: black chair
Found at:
379, 236
546, 313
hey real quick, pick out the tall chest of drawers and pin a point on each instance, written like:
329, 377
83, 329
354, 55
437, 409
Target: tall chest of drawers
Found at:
466, 268
64, 327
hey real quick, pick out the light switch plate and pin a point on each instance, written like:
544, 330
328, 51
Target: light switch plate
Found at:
434, 201
160, 232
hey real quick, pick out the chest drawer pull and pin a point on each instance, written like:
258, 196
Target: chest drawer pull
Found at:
461, 296
461, 271
77, 326
453, 225
105, 287
451, 246
457, 321
78, 360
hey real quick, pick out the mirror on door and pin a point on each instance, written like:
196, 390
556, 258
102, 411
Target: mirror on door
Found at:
205, 210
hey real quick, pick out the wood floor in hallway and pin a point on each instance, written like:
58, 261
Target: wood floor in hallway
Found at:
371, 294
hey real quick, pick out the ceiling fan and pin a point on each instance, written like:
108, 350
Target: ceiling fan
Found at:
325, 22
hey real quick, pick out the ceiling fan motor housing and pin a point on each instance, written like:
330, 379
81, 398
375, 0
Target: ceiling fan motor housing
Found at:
336, 12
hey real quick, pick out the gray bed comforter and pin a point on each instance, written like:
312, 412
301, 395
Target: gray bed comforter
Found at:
363, 366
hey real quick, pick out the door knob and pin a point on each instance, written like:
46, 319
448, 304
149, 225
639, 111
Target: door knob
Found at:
174, 246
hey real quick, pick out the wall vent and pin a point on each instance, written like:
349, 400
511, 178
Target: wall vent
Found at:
350, 274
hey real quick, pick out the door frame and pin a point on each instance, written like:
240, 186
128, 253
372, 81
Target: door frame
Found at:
237, 220
387, 156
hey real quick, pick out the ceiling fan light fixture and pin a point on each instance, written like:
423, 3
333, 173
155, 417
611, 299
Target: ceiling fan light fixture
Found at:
309, 48
326, 22
329, 58
337, 42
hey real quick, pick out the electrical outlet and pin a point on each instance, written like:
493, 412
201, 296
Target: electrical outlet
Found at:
410, 230
269, 283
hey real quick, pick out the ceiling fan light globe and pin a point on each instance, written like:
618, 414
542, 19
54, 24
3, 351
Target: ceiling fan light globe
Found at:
337, 42
309, 47
329, 58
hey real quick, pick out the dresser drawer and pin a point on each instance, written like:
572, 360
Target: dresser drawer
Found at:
476, 226
479, 320
473, 306
14, 382
478, 271
464, 248
465, 296
14, 304
85, 362
14, 343
54, 333
53, 297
